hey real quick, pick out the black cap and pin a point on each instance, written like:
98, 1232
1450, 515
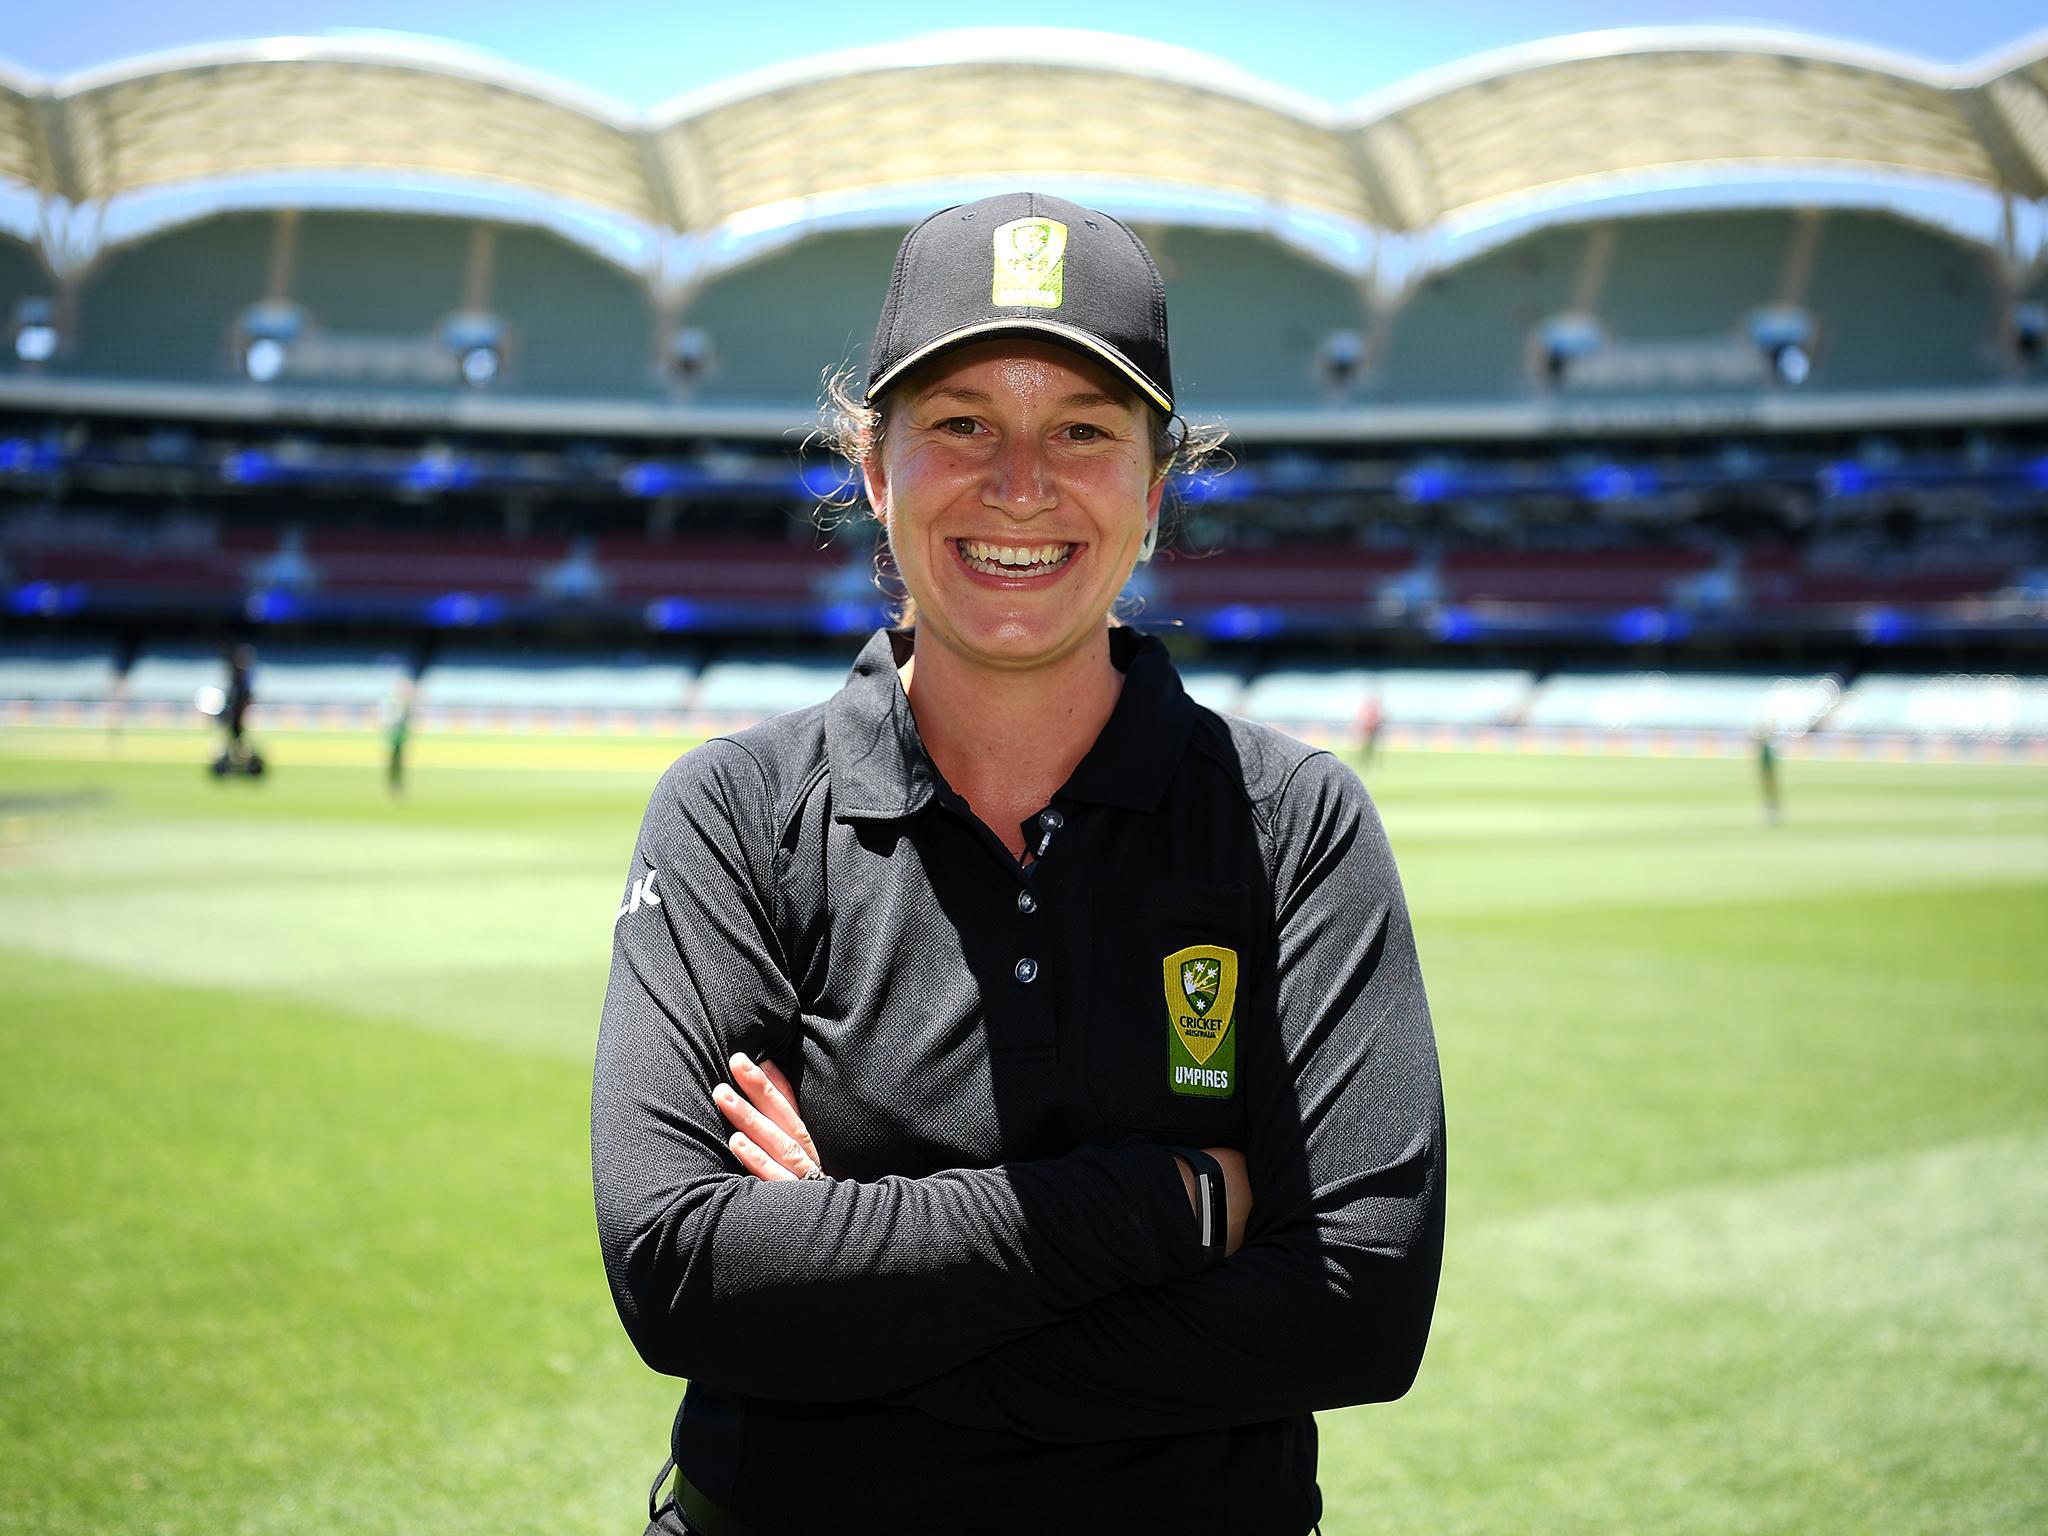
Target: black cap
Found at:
1025, 264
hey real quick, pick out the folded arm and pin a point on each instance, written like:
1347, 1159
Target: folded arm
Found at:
1329, 1301
811, 1290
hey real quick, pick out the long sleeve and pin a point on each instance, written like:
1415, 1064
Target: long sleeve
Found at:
1329, 1301
811, 1291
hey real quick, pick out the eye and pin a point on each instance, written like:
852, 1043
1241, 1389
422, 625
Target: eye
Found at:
958, 426
1086, 432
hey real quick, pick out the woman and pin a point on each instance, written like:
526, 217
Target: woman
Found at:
1084, 1132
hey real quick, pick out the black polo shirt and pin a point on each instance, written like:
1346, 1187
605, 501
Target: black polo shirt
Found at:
996, 1315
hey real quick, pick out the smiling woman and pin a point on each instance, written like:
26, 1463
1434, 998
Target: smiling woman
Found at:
1083, 1132
1017, 492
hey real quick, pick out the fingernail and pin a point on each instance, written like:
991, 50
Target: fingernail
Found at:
721, 1093
739, 1059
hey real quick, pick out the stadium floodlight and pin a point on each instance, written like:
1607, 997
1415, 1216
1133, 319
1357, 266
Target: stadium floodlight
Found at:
1564, 340
2030, 330
35, 329
1784, 334
263, 359
267, 332
477, 342
691, 354
1340, 359
1791, 364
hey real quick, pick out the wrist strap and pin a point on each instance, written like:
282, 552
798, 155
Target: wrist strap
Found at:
1212, 1200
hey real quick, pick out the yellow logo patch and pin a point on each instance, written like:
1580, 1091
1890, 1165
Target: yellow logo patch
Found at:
1201, 1005
1031, 264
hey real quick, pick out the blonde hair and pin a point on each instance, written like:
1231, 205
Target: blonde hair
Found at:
853, 429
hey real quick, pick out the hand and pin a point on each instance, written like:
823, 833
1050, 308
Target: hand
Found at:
1237, 1194
769, 1136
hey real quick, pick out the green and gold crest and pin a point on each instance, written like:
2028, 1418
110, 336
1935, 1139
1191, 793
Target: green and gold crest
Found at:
1201, 1006
1031, 264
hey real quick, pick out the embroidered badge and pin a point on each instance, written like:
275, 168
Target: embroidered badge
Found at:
1031, 264
1201, 1004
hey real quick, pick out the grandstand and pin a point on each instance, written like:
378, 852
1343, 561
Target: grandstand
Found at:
1537, 421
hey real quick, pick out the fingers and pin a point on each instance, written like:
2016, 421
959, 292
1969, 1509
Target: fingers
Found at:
776, 1080
772, 1095
765, 1135
754, 1160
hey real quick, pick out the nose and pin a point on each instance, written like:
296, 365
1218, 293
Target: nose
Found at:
1019, 481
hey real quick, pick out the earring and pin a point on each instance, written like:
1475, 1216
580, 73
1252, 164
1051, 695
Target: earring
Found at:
1150, 543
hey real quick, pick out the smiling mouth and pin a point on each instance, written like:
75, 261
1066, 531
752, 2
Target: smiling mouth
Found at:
1012, 560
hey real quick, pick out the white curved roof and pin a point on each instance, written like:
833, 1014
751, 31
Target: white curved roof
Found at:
1040, 105
1609, 104
336, 104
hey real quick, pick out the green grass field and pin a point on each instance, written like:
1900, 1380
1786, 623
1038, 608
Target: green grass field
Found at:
1749, 1147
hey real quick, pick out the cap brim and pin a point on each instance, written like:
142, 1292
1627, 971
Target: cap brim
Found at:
1071, 336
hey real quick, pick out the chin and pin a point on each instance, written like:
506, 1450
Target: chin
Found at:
1011, 643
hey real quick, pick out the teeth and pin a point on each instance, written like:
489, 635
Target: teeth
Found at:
1014, 557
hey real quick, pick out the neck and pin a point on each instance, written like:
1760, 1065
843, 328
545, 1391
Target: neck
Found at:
1008, 740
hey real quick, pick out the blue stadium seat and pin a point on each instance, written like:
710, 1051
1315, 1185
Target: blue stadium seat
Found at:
173, 672
328, 675
1618, 701
767, 684
42, 669
1446, 696
492, 680
1951, 704
1318, 695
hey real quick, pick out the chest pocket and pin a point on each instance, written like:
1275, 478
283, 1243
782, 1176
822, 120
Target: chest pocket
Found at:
1164, 1051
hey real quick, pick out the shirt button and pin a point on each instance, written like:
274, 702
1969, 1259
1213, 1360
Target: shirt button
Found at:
1027, 970
1026, 902
1051, 819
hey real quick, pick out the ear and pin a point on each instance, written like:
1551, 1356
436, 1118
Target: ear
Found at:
1153, 501
875, 481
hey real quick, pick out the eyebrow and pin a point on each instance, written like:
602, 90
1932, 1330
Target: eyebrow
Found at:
1086, 397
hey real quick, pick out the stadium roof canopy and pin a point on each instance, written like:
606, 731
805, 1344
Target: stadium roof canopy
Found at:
1033, 104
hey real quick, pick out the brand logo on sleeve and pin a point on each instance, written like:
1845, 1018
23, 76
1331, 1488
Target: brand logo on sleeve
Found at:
641, 895
1031, 264
1201, 1006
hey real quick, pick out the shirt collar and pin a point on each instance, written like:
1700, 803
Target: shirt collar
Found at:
880, 770
879, 766
1139, 750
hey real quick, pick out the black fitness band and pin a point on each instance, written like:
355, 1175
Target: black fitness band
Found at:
1212, 1200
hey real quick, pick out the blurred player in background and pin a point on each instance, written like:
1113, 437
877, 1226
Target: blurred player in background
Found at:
241, 694
1767, 774
237, 756
1370, 719
397, 713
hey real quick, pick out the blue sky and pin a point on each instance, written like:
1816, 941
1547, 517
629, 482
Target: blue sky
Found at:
642, 52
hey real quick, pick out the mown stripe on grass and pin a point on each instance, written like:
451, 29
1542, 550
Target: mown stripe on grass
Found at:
272, 1267
1951, 1241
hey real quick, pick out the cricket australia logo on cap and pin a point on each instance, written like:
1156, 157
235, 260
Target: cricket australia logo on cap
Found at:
1201, 1004
1031, 264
